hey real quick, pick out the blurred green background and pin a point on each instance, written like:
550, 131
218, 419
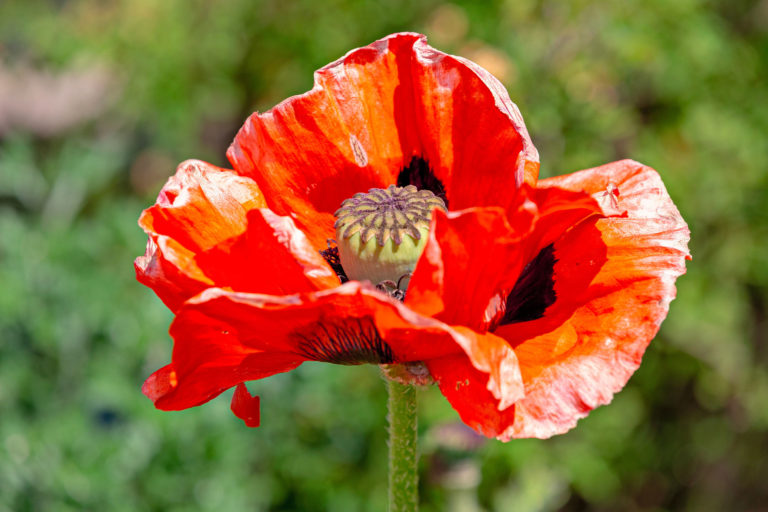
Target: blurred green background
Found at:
100, 99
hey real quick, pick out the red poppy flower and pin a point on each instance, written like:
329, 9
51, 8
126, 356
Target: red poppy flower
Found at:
531, 304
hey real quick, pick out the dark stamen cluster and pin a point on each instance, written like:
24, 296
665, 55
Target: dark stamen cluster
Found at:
356, 341
534, 290
418, 173
331, 255
387, 213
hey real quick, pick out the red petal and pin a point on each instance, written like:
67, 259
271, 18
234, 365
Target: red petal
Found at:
208, 227
169, 269
557, 211
464, 265
471, 133
223, 338
273, 323
614, 281
202, 205
482, 388
474, 255
368, 115
160, 383
209, 358
245, 406
272, 256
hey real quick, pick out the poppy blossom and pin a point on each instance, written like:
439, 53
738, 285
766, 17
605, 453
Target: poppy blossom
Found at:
529, 302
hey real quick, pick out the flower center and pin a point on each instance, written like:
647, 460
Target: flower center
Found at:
381, 233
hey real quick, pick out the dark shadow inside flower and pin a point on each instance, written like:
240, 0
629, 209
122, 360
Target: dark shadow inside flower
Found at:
534, 290
554, 284
485, 269
351, 341
419, 174
331, 255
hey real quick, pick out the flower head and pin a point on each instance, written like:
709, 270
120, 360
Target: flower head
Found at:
529, 302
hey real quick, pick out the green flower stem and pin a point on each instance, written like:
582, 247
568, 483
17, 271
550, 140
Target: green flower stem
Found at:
403, 474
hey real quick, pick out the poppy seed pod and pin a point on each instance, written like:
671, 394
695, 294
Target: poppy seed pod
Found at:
381, 234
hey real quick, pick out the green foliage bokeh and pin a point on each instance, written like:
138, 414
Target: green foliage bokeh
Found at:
681, 86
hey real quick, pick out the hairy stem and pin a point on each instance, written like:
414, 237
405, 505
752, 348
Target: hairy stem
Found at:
403, 475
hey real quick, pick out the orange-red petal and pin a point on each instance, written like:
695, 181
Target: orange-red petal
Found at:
369, 114
271, 256
614, 281
207, 360
483, 389
466, 260
209, 228
222, 338
169, 269
473, 258
201, 205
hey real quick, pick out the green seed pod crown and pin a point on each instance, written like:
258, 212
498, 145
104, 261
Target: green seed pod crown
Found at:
381, 233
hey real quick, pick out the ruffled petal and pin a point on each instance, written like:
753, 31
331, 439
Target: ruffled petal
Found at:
202, 205
199, 207
222, 338
482, 388
614, 279
472, 135
474, 258
370, 116
169, 269
209, 226
532, 292
209, 357
557, 211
